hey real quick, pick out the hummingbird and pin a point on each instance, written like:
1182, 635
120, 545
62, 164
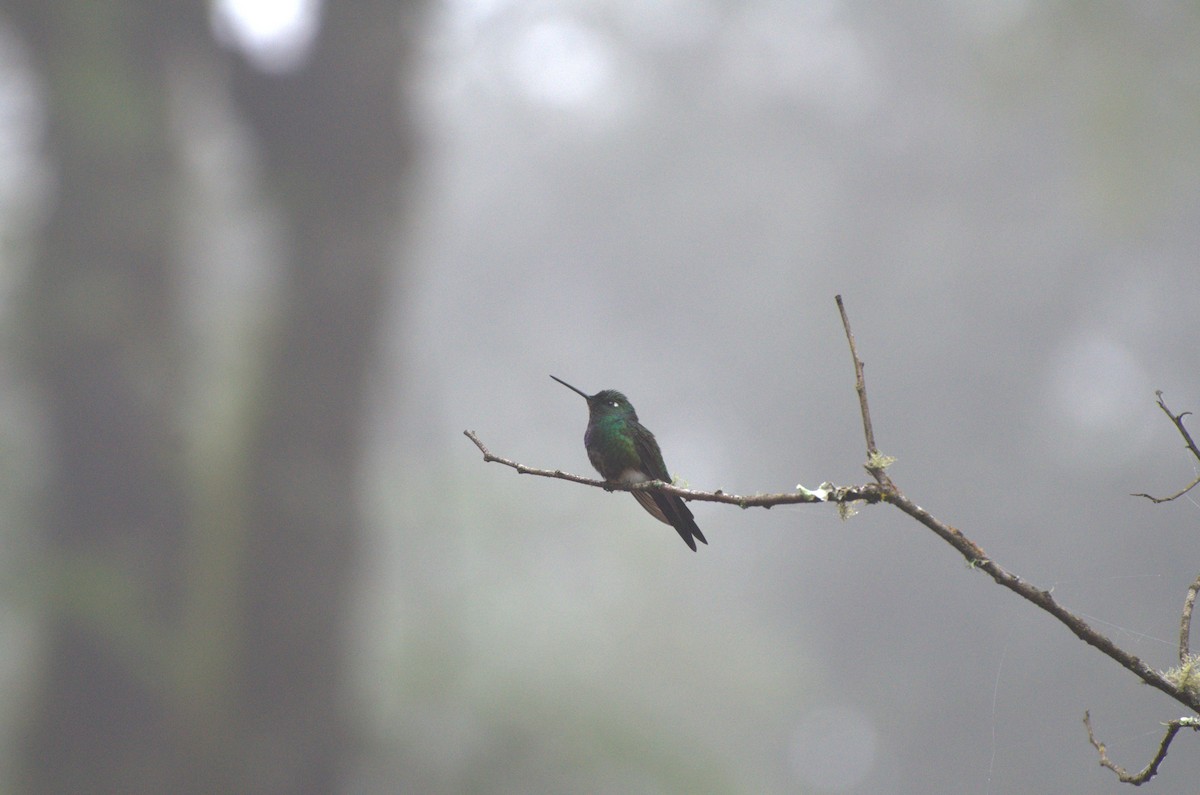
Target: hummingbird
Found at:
623, 451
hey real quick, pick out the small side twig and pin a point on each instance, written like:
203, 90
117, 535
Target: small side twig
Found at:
860, 384
1150, 770
1174, 496
1188, 442
876, 463
1185, 622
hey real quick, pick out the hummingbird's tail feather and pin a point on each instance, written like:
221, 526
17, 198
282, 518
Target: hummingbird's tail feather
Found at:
672, 510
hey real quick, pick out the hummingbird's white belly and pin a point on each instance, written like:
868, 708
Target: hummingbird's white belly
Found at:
633, 476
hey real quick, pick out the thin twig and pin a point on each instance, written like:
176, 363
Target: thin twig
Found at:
1150, 770
1188, 442
1178, 420
860, 386
1174, 496
1185, 622
869, 492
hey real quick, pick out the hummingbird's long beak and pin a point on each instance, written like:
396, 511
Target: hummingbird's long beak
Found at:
573, 389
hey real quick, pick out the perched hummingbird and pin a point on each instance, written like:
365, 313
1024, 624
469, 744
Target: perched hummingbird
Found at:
623, 451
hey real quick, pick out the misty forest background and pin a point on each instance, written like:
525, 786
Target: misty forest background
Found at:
257, 276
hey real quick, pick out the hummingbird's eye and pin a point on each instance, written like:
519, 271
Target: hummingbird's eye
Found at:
616, 404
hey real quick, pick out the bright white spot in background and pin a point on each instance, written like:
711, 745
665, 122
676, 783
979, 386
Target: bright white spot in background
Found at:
833, 748
563, 63
22, 120
667, 24
275, 35
1097, 383
1096, 387
994, 17
469, 15
25, 176
803, 51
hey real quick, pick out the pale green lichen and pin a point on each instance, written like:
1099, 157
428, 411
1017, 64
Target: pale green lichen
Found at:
1186, 677
880, 461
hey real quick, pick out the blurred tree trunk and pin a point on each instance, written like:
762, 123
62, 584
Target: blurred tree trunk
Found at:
115, 711
335, 157
103, 344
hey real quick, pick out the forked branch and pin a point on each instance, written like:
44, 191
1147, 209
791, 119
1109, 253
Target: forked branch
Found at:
885, 490
978, 559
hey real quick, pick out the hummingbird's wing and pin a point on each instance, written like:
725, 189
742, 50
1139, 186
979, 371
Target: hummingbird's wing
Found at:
667, 508
646, 447
672, 510
646, 498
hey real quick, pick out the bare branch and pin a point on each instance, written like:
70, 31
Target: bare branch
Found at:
1188, 442
978, 559
1148, 772
869, 492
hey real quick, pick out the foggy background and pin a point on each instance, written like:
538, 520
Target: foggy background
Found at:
260, 271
